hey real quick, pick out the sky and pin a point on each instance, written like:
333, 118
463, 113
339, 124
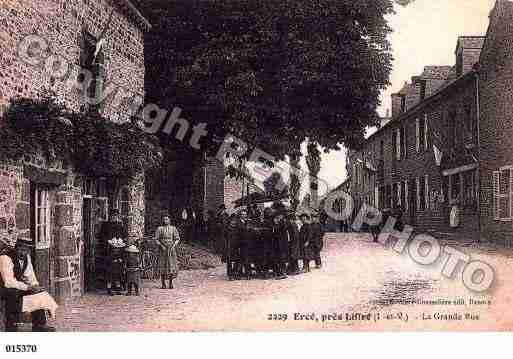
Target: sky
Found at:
425, 33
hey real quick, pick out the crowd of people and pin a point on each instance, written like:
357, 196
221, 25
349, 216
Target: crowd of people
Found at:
271, 244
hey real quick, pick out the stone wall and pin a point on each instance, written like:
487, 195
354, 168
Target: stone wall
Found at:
496, 125
67, 246
63, 26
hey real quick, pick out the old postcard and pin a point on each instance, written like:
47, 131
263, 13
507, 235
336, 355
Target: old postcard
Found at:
255, 166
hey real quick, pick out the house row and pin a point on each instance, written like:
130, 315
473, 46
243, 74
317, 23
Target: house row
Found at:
448, 143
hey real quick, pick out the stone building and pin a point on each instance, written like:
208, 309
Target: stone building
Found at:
50, 202
449, 142
424, 160
496, 126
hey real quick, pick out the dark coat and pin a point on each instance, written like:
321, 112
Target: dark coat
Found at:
317, 235
281, 241
294, 241
232, 246
238, 241
305, 240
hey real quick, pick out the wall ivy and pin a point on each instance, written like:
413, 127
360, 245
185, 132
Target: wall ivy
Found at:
91, 143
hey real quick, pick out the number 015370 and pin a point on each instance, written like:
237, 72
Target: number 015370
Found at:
18, 348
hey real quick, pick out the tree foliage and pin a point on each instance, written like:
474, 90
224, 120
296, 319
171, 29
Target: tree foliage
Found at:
272, 72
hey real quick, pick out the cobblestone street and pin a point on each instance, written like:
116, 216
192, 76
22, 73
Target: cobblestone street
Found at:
358, 277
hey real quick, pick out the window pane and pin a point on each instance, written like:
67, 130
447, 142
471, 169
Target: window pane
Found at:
504, 207
504, 182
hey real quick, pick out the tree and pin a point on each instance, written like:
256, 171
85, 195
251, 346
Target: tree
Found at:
313, 161
272, 72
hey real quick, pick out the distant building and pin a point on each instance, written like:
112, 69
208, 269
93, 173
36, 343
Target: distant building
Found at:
449, 143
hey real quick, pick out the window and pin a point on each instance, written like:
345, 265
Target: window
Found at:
421, 135
42, 218
455, 185
469, 187
395, 196
426, 184
394, 145
403, 103
403, 148
421, 193
398, 144
502, 194
404, 195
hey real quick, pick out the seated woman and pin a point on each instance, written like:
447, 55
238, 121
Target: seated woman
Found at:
21, 291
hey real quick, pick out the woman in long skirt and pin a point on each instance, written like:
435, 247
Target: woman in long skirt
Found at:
167, 238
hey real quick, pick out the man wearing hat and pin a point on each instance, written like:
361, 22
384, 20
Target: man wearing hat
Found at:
305, 240
267, 238
317, 239
280, 240
17, 285
294, 244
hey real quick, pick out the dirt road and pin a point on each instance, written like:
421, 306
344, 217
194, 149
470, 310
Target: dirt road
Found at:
357, 289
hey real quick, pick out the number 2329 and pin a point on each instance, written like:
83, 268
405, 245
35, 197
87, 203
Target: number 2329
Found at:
281, 317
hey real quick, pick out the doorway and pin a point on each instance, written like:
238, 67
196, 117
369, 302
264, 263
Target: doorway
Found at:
89, 255
40, 220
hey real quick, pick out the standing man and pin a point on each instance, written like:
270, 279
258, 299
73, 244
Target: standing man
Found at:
317, 239
17, 285
268, 245
305, 240
293, 244
280, 240
245, 243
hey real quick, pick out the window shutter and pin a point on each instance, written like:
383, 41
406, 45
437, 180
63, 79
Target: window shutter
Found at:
417, 185
376, 197
406, 205
399, 194
394, 146
426, 196
496, 191
417, 135
398, 144
426, 136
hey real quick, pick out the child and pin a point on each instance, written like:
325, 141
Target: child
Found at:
133, 269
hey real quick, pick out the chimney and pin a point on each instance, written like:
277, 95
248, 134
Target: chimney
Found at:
468, 50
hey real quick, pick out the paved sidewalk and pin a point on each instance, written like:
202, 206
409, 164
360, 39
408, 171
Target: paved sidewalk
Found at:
358, 278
